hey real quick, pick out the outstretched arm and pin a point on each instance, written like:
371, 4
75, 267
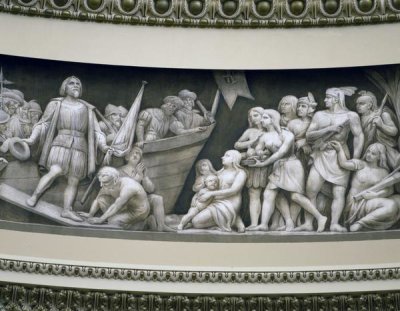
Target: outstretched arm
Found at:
120, 202
177, 128
350, 165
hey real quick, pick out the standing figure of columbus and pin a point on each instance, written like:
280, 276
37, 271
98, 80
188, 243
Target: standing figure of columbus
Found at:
68, 135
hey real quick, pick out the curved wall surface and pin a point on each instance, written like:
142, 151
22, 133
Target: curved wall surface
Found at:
140, 266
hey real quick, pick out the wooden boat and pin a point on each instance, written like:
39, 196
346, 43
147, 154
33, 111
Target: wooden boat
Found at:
170, 160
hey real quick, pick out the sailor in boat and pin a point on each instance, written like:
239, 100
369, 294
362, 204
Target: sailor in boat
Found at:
155, 123
12, 101
4, 132
122, 200
33, 116
69, 132
123, 112
113, 116
135, 169
189, 117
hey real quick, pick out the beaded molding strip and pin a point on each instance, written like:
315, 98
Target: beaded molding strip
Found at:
214, 13
186, 276
17, 297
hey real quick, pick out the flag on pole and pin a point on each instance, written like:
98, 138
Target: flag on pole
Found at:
123, 140
232, 84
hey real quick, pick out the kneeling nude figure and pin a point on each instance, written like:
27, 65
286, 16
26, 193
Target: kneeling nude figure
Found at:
122, 200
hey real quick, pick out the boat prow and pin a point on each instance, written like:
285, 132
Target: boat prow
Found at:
170, 160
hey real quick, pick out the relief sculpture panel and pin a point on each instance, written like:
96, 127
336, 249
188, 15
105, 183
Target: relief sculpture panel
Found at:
199, 152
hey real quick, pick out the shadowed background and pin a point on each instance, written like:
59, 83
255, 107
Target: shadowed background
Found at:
103, 84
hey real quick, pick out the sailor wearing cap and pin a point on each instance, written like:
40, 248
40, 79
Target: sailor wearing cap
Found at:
189, 117
113, 116
12, 101
4, 133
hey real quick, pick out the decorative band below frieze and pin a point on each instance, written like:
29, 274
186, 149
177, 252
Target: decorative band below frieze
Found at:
193, 276
17, 297
213, 13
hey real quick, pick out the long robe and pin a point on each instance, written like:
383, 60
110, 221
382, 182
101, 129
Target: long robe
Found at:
49, 125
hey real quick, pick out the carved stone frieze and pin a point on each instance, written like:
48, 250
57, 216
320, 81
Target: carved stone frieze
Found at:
16, 297
189, 276
213, 13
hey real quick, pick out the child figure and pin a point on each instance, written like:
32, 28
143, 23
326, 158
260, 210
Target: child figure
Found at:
203, 169
211, 183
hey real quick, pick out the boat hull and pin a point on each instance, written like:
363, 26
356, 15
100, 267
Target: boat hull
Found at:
169, 161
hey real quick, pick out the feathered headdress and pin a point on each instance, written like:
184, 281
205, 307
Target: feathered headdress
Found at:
340, 93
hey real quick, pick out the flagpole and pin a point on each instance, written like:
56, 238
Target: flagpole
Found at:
108, 155
215, 103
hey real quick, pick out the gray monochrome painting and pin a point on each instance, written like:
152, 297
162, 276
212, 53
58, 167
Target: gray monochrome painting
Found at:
199, 154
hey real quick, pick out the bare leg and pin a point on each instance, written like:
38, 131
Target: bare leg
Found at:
69, 199
157, 206
239, 224
283, 206
337, 208
203, 220
254, 206
305, 203
268, 208
44, 183
295, 210
313, 187
188, 217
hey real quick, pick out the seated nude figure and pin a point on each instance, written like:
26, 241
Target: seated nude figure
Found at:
223, 212
122, 200
373, 210
197, 205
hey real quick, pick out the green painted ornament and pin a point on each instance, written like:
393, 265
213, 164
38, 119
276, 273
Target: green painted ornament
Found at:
94, 4
162, 6
331, 6
365, 5
230, 7
297, 7
396, 4
195, 7
263, 7
128, 5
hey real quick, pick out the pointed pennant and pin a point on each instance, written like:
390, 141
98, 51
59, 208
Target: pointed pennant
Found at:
232, 84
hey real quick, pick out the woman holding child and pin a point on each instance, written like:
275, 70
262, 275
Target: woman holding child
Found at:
223, 211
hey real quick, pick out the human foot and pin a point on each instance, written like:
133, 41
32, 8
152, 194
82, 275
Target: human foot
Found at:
321, 223
32, 201
337, 228
71, 215
259, 228
304, 227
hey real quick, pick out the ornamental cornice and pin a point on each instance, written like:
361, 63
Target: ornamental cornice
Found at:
213, 13
193, 276
22, 297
